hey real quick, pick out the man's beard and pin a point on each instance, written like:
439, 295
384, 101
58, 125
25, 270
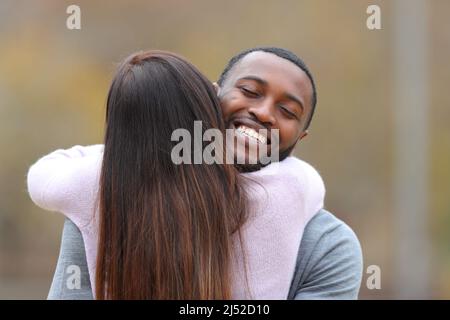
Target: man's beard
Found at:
255, 167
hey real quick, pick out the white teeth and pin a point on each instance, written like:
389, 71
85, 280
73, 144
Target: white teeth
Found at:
249, 132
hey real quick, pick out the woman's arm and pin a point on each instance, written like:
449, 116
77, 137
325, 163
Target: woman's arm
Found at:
66, 180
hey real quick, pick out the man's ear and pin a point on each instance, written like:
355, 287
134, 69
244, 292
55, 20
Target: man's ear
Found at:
216, 86
303, 134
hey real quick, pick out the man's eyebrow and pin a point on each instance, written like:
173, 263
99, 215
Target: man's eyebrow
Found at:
255, 78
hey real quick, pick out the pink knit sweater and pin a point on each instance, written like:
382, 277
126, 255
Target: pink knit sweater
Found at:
286, 196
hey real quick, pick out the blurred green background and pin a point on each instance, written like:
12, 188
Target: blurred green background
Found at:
53, 85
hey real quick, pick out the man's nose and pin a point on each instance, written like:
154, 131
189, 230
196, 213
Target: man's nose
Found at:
264, 112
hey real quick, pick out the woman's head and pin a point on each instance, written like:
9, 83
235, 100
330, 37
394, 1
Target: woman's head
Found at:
165, 229
155, 93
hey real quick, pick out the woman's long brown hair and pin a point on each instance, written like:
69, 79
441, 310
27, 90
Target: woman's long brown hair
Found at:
165, 230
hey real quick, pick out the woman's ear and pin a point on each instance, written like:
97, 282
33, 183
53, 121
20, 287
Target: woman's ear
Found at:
216, 86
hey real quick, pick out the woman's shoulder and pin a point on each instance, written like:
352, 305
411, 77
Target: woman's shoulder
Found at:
302, 170
290, 168
293, 183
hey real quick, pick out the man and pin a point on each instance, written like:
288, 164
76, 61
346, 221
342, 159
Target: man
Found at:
268, 88
261, 88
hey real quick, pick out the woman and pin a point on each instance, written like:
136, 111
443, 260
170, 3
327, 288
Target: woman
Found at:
147, 203
166, 231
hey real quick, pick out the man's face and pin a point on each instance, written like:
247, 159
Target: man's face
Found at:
264, 91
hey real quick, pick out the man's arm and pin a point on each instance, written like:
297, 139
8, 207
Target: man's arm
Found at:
329, 263
71, 279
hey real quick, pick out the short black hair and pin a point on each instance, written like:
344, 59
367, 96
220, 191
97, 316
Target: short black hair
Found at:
282, 53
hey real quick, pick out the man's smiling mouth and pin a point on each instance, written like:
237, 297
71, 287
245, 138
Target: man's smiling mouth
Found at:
251, 130
251, 134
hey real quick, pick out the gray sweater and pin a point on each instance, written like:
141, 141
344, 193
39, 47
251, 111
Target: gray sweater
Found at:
329, 262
